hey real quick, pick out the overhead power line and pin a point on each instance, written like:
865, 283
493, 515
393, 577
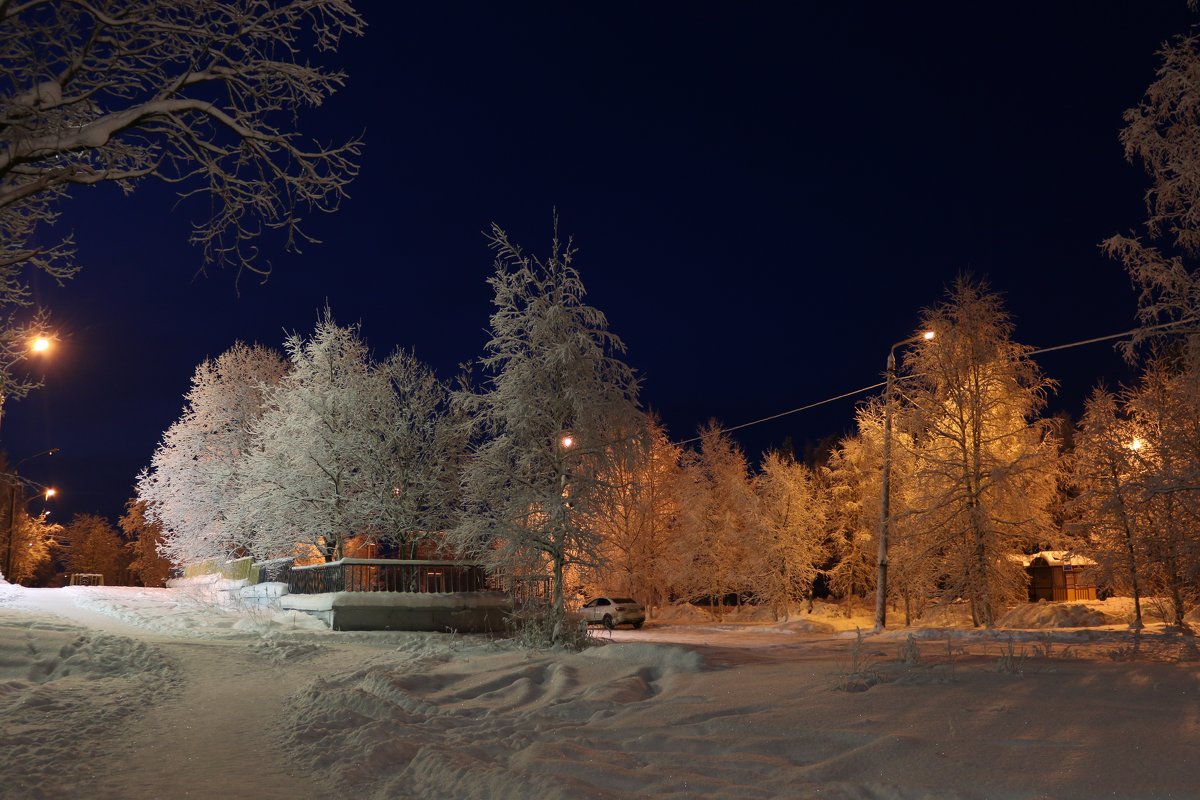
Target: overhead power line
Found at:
865, 389
1110, 337
792, 411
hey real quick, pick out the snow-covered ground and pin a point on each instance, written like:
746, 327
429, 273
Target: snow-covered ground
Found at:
136, 693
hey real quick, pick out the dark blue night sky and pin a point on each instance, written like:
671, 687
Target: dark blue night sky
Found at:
763, 197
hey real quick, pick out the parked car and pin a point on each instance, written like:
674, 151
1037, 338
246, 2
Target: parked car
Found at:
613, 611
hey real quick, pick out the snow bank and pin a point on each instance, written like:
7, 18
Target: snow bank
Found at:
63, 690
482, 723
807, 625
662, 657
183, 612
1055, 615
943, 615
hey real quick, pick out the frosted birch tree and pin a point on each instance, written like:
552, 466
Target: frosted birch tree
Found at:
1163, 133
636, 520
202, 95
716, 521
190, 488
336, 453
1166, 411
557, 410
789, 545
1104, 469
419, 457
988, 466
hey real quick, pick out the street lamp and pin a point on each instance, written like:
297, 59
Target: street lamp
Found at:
45, 494
885, 490
37, 345
17, 482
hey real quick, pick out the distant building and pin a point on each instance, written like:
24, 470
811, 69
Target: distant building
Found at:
1060, 575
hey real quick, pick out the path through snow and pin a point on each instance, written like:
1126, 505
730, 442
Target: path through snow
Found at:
132, 694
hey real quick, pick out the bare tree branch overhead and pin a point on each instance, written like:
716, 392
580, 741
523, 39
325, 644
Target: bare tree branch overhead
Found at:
201, 94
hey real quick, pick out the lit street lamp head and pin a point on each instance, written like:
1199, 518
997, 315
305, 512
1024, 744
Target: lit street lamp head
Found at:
567, 441
40, 345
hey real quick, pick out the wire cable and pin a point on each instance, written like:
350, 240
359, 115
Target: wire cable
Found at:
864, 389
792, 411
1110, 337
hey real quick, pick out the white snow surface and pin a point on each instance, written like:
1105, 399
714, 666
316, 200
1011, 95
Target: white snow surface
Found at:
110, 692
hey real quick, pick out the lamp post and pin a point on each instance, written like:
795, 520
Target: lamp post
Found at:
17, 481
885, 489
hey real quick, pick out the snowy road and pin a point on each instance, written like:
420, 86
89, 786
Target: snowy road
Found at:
98, 706
130, 693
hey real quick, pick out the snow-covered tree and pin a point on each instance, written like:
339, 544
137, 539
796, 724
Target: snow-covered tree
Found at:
143, 538
199, 94
987, 466
789, 545
95, 547
1163, 133
716, 521
636, 521
558, 409
420, 456
190, 487
853, 479
301, 480
33, 537
1166, 411
1107, 506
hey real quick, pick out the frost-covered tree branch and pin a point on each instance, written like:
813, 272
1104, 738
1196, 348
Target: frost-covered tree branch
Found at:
1163, 133
202, 94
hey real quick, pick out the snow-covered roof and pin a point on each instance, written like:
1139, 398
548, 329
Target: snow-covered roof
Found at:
1057, 558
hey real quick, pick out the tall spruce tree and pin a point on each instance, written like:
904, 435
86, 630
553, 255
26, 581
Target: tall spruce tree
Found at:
558, 408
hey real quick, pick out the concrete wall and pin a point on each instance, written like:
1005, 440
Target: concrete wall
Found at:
465, 612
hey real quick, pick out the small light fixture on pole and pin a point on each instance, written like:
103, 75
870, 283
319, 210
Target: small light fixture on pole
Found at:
885, 489
46, 494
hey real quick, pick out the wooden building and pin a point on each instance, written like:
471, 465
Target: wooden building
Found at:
1060, 575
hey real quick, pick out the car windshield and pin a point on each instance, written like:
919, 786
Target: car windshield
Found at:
624, 600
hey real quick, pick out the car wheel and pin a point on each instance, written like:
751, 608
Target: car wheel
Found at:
638, 625
608, 622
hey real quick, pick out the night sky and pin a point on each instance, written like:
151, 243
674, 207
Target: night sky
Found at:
763, 197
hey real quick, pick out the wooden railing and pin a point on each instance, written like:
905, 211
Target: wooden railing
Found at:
389, 575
